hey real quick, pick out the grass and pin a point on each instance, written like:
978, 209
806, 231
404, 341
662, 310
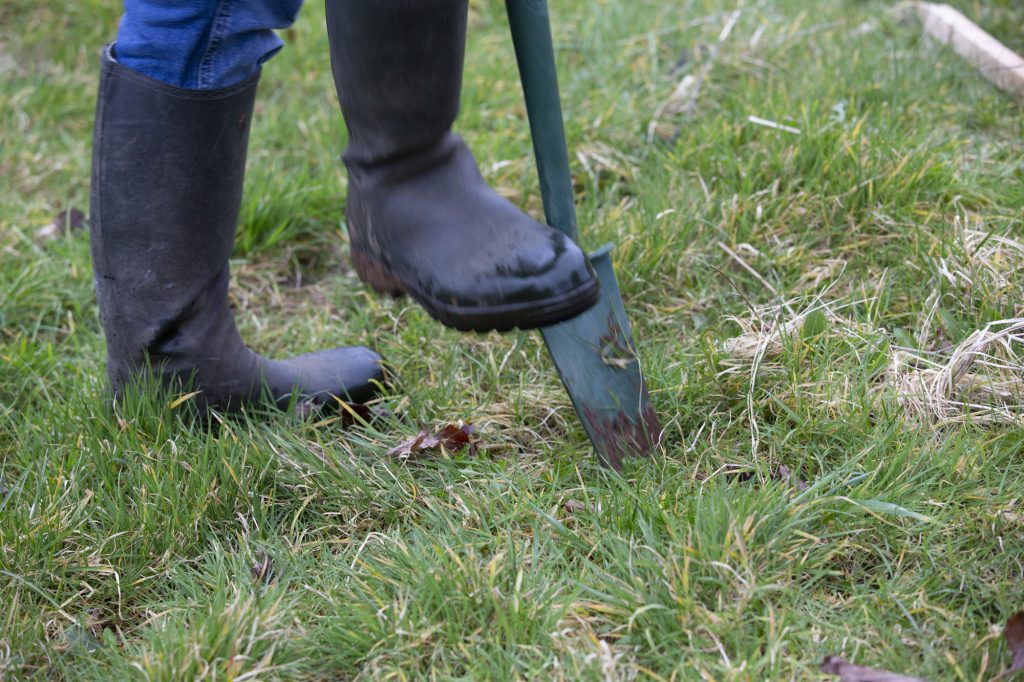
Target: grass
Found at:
134, 544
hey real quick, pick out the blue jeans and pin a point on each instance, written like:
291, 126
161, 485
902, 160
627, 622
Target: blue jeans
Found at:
201, 44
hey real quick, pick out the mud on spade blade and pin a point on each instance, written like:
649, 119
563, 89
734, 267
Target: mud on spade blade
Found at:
598, 364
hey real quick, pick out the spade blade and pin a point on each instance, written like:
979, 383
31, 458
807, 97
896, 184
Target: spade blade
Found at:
597, 361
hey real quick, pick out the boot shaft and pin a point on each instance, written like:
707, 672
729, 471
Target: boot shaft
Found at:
167, 174
168, 165
397, 68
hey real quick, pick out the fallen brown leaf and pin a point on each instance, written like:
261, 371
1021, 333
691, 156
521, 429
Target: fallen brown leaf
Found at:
573, 506
782, 473
451, 438
1014, 634
68, 220
848, 672
262, 568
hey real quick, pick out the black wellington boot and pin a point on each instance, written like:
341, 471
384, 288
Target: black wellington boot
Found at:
421, 218
167, 174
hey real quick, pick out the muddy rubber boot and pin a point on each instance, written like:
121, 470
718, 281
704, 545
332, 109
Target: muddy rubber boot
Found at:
421, 218
167, 172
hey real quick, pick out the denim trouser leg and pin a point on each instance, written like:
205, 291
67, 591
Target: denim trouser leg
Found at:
201, 44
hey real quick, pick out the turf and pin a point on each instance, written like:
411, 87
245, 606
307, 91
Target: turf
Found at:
795, 510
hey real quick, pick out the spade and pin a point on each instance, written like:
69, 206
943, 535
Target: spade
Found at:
594, 351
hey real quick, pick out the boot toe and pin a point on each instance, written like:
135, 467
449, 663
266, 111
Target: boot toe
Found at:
526, 298
573, 266
353, 374
562, 270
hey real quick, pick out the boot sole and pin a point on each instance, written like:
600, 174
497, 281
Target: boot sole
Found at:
527, 315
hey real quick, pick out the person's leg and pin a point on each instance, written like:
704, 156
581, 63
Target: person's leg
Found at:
421, 218
201, 44
167, 174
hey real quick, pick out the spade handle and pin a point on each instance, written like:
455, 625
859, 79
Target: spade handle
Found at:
535, 54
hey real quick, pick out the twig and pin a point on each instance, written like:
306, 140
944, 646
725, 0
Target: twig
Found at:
995, 61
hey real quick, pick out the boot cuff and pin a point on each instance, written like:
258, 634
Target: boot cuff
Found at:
110, 67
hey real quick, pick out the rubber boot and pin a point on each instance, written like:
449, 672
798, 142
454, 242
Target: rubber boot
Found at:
421, 218
167, 173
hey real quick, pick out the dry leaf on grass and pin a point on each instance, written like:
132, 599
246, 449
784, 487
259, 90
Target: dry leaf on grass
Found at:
848, 672
451, 438
573, 506
1011, 516
1015, 639
1014, 633
782, 473
262, 568
68, 220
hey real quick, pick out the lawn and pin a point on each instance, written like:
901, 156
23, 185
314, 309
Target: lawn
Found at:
823, 485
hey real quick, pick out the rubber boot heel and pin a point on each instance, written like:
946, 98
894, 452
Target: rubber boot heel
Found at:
375, 274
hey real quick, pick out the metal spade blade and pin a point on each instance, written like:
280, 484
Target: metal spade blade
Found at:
594, 352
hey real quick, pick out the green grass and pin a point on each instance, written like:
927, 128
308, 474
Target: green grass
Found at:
128, 540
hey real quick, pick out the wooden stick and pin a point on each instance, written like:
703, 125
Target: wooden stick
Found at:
996, 62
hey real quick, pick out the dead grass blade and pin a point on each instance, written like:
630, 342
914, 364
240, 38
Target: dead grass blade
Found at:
981, 380
979, 258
